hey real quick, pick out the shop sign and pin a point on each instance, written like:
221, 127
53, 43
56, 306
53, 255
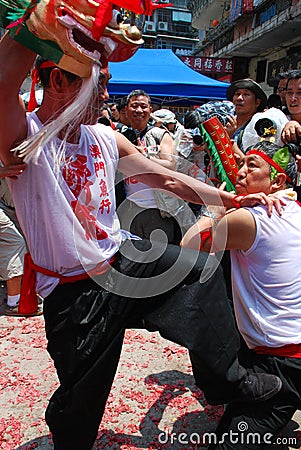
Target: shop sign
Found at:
282, 65
213, 65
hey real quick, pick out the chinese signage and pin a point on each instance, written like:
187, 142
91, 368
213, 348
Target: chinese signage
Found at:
213, 65
282, 65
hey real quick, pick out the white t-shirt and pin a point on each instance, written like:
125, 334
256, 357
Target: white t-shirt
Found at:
266, 280
136, 191
69, 220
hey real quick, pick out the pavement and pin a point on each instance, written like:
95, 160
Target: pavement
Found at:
153, 403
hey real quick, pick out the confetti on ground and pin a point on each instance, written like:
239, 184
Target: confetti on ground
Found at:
153, 399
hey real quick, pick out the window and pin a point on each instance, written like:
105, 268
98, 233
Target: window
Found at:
181, 16
261, 70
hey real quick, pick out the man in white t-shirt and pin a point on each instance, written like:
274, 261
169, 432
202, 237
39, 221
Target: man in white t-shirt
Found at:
142, 205
266, 283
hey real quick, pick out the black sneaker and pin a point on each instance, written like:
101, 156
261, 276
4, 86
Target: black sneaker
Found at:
256, 387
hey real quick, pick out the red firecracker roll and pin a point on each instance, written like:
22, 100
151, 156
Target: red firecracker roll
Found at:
223, 145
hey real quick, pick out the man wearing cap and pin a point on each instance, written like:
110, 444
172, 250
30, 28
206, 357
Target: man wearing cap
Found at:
167, 119
266, 283
248, 99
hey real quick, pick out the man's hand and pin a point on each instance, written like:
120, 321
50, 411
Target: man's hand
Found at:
12, 170
270, 201
291, 131
140, 147
231, 125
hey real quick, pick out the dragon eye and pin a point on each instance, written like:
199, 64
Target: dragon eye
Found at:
61, 11
117, 18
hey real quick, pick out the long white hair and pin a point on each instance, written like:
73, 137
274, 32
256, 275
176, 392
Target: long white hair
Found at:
70, 119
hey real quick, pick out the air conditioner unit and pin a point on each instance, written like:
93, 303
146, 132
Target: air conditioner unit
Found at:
149, 26
162, 26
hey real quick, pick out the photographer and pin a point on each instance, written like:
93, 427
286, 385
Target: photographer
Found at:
166, 119
145, 209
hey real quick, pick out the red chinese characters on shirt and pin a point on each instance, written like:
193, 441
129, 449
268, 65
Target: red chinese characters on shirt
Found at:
88, 221
77, 174
100, 170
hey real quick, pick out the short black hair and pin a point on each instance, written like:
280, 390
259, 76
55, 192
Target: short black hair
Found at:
44, 74
274, 101
283, 75
192, 119
136, 93
294, 74
122, 103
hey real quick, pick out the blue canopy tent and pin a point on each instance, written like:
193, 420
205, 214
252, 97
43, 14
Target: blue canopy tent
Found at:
164, 77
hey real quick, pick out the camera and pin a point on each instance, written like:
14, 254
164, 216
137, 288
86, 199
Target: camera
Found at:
295, 148
198, 139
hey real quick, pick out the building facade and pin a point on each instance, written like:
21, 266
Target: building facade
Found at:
261, 37
170, 28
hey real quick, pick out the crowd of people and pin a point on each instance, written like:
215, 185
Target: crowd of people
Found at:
104, 260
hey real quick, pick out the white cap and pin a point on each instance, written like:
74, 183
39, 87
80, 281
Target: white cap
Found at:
164, 115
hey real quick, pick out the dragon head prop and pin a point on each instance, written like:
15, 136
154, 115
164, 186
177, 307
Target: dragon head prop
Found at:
74, 34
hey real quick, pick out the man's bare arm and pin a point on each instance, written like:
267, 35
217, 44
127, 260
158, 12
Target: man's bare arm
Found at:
12, 170
236, 231
17, 61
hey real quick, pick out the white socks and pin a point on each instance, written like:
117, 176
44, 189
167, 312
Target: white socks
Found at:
13, 300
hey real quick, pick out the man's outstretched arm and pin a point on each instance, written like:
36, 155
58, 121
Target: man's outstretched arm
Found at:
134, 164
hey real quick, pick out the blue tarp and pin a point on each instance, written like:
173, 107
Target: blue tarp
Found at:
162, 74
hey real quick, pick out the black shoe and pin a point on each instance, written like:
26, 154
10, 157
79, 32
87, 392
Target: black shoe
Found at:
256, 387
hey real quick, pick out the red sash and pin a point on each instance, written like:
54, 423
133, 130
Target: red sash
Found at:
28, 303
290, 350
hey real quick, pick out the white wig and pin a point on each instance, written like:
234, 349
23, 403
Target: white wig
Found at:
69, 119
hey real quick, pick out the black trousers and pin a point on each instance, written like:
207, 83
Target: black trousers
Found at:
253, 427
85, 324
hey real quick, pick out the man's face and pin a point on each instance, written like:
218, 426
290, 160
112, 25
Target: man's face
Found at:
123, 117
100, 96
138, 112
115, 112
245, 102
253, 176
281, 90
293, 97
